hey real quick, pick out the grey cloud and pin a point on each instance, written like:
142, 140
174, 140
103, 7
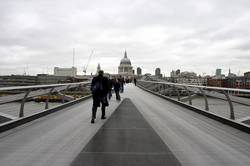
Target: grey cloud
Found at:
165, 33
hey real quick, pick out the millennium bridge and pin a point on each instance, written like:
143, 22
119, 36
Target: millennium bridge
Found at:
156, 123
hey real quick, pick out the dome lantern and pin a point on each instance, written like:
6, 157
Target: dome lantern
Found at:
125, 60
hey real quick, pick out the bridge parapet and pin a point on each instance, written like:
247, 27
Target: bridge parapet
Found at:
29, 92
181, 93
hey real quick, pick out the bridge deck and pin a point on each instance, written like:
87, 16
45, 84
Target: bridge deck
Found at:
58, 139
126, 139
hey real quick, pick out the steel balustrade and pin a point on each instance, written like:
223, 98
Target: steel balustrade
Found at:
197, 89
46, 90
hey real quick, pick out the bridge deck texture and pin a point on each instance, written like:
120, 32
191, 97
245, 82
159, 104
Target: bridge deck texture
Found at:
59, 139
126, 140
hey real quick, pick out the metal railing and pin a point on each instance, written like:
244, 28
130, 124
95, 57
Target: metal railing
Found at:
38, 90
167, 89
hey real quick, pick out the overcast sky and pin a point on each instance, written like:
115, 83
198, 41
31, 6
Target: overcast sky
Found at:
193, 35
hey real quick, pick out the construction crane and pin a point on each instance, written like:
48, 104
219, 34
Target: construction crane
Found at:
86, 66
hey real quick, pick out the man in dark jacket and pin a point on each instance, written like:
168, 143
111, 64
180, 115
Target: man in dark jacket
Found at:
99, 88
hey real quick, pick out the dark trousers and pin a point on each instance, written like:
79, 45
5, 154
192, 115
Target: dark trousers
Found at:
122, 88
94, 109
117, 95
109, 94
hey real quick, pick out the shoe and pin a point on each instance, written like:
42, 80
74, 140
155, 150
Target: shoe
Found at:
103, 117
92, 121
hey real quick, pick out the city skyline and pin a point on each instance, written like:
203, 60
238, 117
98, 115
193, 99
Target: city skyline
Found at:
193, 36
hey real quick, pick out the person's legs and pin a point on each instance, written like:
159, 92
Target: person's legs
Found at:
110, 94
94, 109
122, 88
117, 95
96, 103
103, 112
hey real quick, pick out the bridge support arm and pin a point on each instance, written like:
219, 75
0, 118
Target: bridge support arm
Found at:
63, 97
230, 105
47, 99
205, 98
21, 112
189, 96
178, 93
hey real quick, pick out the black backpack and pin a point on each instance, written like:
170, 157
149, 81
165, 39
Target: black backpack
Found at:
97, 87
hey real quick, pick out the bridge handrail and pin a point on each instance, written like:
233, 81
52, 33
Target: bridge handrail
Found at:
199, 86
41, 86
224, 91
48, 91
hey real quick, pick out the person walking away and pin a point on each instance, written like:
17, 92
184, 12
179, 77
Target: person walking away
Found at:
135, 81
117, 86
99, 88
122, 81
110, 86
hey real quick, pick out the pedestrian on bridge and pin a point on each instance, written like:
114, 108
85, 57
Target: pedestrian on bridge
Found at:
110, 86
135, 81
122, 82
100, 89
117, 86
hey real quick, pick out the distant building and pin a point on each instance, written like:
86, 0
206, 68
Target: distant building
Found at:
138, 71
187, 74
158, 72
72, 72
216, 82
173, 73
178, 71
237, 82
98, 68
231, 74
40, 79
247, 74
242, 82
125, 68
218, 72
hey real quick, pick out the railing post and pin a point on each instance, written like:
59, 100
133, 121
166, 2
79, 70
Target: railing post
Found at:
164, 89
169, 91
47, 99
21, 112
189, 96
205, 98
178, 94
161, 88
63, 97
230, 105
79, 87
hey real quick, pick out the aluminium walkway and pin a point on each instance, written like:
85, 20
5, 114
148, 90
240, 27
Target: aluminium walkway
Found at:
126, 139
58, 139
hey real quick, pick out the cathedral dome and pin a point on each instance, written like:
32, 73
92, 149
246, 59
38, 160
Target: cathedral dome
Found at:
125, 60
125, 68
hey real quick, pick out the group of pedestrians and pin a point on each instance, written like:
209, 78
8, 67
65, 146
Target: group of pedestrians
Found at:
101, 88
